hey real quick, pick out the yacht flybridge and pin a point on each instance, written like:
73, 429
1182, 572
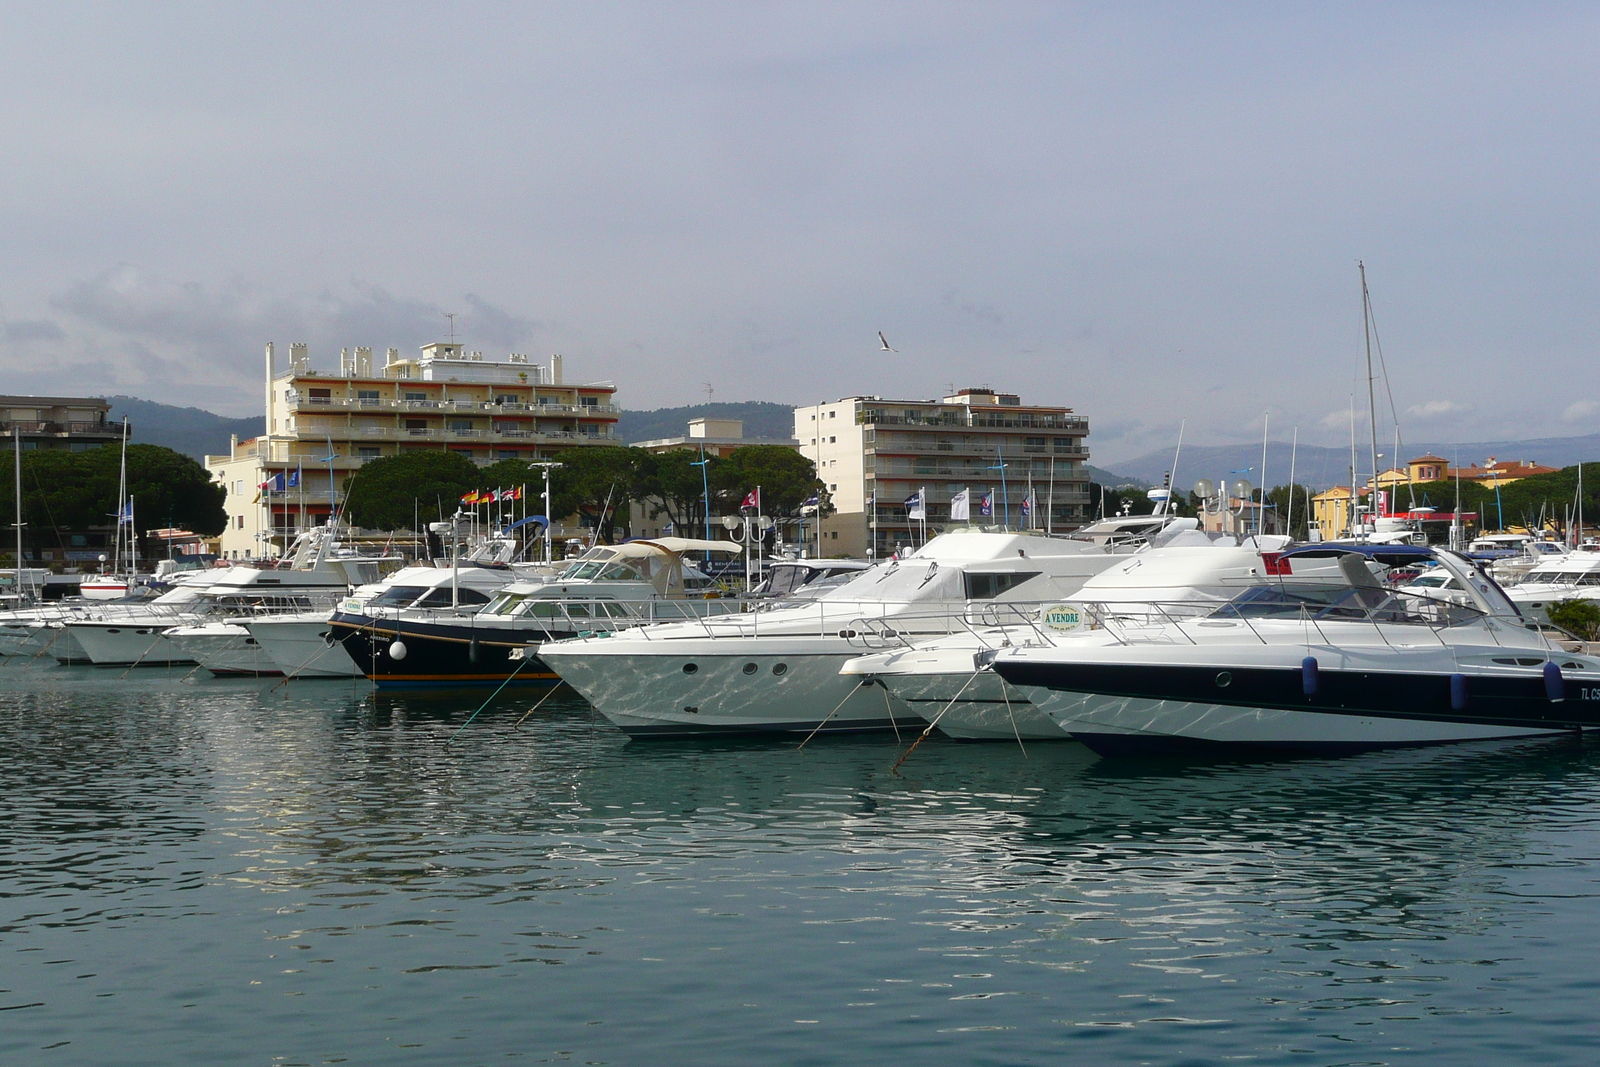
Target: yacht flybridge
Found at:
1351, 666
777, 669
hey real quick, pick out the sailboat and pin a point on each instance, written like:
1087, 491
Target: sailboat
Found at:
112, 584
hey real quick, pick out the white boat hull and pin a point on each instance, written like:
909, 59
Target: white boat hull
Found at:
766, 685
224, 649
299, 647
126, 643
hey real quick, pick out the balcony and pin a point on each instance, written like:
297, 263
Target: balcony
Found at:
978, 420
348, 403
892, 448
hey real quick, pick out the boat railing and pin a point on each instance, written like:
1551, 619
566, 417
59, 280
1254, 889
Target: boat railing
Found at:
1166, 622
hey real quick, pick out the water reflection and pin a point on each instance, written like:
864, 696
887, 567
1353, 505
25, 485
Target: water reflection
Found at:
1009, 903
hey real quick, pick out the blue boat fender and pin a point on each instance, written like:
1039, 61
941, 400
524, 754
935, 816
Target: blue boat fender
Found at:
1310, 681
1555, 686
1458, 692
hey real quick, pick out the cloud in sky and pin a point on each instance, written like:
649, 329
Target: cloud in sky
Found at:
1580, 411
1434, 409
1149, 214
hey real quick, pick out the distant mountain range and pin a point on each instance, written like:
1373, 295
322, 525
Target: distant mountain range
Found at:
1320, 467
192, 431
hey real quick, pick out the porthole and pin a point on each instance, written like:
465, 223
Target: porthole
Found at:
1223, 678
750, 668
691, 668
113, 631
780, 669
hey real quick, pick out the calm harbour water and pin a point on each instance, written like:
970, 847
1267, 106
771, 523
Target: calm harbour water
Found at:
209, 871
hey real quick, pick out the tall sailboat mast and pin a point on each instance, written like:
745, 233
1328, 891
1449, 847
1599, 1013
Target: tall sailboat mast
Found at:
122, 500
16, 434
1372, 404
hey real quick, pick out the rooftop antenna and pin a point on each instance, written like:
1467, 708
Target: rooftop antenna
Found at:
710, 391
451, 315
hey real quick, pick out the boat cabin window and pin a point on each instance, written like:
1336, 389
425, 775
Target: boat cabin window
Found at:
505, 604
398, 596
988, 586
440, 597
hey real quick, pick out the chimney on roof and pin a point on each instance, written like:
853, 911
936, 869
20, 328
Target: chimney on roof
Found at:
555, 369
272, 367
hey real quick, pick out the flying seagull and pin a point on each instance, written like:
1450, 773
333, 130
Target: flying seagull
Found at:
885, 341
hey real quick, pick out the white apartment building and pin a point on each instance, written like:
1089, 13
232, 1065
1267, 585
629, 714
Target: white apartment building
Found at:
322, 425
874, 453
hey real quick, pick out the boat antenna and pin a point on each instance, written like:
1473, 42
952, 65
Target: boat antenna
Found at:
1261, 512
1288, 521
1172, 479
1355, 494
1372, 406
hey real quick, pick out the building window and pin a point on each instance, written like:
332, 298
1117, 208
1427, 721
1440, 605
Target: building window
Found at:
416, 396
367, 452
1063, 444
320, 396
589, 401
833, 440
833, 414
463, 452
240, 519
366, 394
505, 454
836, 535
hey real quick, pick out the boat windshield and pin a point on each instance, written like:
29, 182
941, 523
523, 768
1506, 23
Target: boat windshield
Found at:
1344, 603
600, 570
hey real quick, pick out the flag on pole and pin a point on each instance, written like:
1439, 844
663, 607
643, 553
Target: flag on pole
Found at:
274, 484
810, 504
916, 508
752, 499
471, 498
514, 493
1027, 506
126, 514
986, 503
961, 506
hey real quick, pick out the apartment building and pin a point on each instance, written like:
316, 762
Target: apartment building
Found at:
322, 425
72, 422
874, 453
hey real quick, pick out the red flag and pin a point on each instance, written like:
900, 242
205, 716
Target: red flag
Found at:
752, 499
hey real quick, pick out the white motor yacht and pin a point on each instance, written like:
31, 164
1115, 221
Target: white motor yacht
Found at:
318, 574
431, 642
776, 669
1567, 576
1356, 666
949, 680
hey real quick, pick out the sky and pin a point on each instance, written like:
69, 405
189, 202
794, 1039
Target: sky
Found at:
1151, 213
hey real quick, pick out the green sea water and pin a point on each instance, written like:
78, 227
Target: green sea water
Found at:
204, 871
